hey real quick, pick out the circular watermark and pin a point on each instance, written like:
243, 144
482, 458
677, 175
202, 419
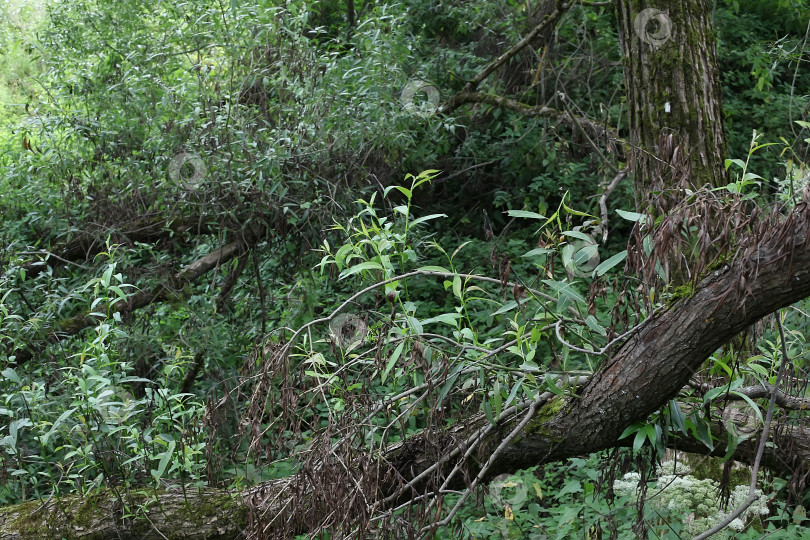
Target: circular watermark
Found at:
580, 255
348, 331
115, 404
508, 490
653, 27
14, 17
741, 418
509, 493
187, 170
426, 107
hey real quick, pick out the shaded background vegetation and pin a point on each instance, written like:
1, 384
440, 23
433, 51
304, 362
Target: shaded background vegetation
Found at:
292, 115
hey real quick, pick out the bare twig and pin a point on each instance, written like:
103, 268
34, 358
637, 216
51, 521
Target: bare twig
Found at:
482, 473
564, 99
601, 351
603, 201
55, 256
548, 20
783, 399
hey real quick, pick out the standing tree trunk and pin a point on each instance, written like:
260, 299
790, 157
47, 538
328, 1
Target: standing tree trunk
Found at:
673, 95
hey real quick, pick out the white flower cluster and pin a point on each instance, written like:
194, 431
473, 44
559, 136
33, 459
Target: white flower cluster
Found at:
697, 499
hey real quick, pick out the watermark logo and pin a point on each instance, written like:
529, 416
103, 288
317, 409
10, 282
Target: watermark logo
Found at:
348, 331
509, 494
187, 170
653, 27
742, 419
580, 255
115, 404
410, 102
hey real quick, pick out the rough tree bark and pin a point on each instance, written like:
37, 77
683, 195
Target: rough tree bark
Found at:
673, 94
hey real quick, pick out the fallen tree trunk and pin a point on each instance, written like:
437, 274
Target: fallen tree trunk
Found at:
189, 274
218, 515
193, 515
86, 245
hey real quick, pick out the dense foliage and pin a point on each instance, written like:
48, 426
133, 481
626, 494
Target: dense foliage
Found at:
364, 301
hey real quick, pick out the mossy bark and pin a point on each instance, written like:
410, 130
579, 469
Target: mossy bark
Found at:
674, 96
137, 515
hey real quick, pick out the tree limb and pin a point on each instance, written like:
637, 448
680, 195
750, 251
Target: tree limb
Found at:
191, 273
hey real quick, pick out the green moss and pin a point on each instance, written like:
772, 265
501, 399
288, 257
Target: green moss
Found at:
79, 513
537, 425
211, 505
678, 293
722, 260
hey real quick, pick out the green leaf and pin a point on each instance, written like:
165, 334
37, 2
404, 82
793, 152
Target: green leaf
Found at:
579, 235
524, 214
537, 251
552, 385
714, 392
424, 176
585, 254
414, 323
488, 411
605, 266
574, 212
457, 286
676, 416
702, 430
629, 430
594, 325
630, 216
340, 256
105, 277
497, 399
448, 385
459, 248
56, 424
638, 441
757, 368
733, 442
423, 219
572, 486
368, 265
751, 404
514, 391
391, 361
405, 191
441, 269
651, 433
11, 375
507, 307
565, 290
164, 461
117, 290
447, 318
719, 363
